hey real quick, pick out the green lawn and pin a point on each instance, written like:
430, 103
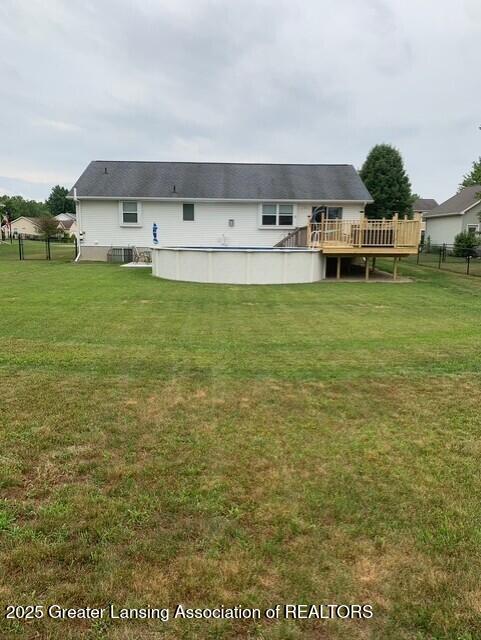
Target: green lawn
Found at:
451, 263
36, 250
167, 443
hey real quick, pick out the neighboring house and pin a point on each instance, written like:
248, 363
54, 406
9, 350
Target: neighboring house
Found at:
65, 216
207, 204
67, 226
25, 226
459, 213
423, 205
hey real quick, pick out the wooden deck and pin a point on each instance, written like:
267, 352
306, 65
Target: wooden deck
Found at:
364, 237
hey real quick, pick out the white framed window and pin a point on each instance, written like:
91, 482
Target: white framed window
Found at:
277, 215
472, 229
130, 213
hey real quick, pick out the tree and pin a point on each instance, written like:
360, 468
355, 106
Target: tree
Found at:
57, 201
16, 206
48, 226
473, 177
384, 175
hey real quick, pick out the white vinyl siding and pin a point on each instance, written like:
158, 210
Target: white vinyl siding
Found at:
100, 223
443, 229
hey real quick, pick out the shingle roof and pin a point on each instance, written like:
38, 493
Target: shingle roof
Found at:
424, 204
122, 179
66, 224
29, 218
458, 203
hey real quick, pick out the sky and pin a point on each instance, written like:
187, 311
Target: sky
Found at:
313, 81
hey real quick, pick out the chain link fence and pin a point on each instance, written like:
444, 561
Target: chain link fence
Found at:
449, 258
37, 248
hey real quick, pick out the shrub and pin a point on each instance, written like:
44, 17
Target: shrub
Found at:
465, 244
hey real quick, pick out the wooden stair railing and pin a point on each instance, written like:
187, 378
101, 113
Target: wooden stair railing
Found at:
296, 238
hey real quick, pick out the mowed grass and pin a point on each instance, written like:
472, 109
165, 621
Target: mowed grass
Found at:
452, 263
37, 250
167, 443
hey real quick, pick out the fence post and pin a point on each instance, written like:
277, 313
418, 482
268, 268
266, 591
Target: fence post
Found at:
20, 247
419, 251
468, 262
47, 246
445, 252
440, 256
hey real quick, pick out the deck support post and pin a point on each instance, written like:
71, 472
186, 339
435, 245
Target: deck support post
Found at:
373, 263
338, 271
367, 268
394, 271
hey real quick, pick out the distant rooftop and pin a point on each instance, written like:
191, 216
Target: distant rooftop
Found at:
463, 200
424, 204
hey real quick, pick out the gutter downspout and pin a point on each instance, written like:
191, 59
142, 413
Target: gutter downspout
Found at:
77, 209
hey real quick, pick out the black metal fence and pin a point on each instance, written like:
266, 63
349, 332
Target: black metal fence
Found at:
37, 248
449, 258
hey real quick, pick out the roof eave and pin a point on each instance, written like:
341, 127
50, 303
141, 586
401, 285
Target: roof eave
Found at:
180, 198
443, 215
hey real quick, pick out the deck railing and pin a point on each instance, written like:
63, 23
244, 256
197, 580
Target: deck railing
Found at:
365, 233
296, 238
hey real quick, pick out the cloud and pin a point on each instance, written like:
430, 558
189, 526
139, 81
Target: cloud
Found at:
317, 81
56, 125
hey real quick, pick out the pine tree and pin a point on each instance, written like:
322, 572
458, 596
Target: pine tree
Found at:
384, 175
57, 201
473, 177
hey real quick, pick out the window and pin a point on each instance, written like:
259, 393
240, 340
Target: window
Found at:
274, 215
334, 213
328, 213
130, 212
188, 211
472, 229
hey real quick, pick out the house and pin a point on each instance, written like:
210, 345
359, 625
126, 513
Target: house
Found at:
25, 226
67, 226
28, 226
455, 215
423, 205
207, 204
65, 216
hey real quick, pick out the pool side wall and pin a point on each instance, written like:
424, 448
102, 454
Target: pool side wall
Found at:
238, 266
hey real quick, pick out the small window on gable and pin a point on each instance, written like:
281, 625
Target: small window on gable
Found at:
472, 229
188, 211
130, 213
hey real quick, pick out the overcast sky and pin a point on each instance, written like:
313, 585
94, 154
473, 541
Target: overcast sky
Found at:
314, 81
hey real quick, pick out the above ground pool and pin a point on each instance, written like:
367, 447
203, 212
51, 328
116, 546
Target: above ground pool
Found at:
238, 265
